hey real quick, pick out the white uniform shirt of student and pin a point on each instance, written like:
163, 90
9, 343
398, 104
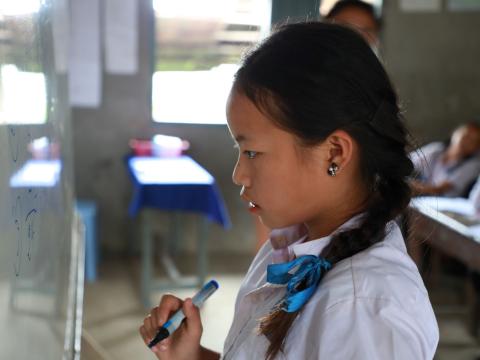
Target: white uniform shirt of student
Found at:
371, 306
432, 170
474, 196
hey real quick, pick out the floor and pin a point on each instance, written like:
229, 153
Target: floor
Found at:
113, 312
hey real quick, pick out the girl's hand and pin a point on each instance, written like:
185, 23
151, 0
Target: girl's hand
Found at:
184, 343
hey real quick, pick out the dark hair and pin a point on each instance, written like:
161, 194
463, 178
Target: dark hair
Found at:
311, 79
358, 4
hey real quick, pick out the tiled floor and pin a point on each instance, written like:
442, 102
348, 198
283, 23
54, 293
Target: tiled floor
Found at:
113, 312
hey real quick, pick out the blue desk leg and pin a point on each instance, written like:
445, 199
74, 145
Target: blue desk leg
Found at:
146, 258
202, 245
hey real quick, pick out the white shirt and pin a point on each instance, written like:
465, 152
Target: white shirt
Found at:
371, 306
474, 195
431, 169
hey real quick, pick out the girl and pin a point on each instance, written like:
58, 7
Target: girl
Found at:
322, 161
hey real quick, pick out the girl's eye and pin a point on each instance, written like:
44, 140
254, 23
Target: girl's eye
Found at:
250, 154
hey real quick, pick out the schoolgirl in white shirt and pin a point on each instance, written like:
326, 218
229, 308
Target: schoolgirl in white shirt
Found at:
323, 162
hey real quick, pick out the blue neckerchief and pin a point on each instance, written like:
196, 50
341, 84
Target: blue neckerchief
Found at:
309, 272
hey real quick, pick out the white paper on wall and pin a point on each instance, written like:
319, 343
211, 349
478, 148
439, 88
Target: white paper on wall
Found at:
121, 36
85, 72
420, 5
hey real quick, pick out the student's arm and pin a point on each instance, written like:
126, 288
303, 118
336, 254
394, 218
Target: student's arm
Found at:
420, 188
464, 177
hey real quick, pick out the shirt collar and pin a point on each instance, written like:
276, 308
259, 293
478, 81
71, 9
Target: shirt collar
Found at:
300, 246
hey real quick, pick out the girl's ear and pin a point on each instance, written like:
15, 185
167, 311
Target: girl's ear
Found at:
340, 148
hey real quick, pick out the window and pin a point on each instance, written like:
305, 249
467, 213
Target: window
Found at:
198, 45
23, 97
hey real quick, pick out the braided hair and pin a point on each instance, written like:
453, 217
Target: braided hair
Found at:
314, 78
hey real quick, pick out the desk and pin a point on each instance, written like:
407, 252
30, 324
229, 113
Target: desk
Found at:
452, 229
177, 185
450, 226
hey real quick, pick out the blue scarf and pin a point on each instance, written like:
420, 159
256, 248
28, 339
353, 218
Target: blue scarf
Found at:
309, 271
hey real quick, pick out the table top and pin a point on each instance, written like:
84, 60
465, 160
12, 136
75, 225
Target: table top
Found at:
179, 170
454, 233
37, 173
175, 184
458, 214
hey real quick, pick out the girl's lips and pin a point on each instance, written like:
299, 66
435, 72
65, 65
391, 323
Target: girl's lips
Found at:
252, 207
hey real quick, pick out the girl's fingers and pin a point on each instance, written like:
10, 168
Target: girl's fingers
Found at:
144, 334
169, 304
164, 344
149, 327
155, 317
192, 314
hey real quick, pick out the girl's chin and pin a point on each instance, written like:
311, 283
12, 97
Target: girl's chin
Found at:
270, 223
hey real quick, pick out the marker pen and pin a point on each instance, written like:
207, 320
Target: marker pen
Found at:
174, 322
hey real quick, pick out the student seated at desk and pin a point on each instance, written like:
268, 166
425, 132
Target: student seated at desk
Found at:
448, 169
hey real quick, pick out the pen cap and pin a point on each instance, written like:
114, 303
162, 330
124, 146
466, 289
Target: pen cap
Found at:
207, 290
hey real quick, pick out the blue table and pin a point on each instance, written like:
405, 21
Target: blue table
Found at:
177, 185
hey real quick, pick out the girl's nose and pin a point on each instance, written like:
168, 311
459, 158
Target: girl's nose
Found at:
239, 176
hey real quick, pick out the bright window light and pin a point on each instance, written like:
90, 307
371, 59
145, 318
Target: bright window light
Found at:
23, 96
19, 7
192, 96
198, 46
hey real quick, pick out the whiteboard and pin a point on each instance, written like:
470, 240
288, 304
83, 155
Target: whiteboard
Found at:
38, 254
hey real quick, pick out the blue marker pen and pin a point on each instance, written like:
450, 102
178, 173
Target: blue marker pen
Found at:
174, 322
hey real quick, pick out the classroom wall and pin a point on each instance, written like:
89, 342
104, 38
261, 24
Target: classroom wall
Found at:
432, 59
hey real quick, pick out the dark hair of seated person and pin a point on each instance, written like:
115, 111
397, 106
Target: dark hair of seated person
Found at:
344, 4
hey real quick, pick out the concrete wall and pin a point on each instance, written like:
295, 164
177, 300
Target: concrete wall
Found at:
431, 57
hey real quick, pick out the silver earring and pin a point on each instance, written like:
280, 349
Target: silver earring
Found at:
332, 170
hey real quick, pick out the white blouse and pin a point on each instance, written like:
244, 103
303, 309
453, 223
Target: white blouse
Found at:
431, 169
372, 305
